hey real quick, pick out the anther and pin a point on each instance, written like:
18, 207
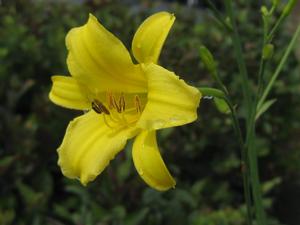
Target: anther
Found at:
99, 108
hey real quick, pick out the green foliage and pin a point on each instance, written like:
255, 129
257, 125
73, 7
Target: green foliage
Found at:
209, 182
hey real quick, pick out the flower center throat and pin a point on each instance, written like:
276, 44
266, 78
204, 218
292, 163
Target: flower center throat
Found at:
117, 110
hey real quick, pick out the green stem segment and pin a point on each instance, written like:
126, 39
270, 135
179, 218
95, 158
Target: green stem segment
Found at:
218, 15
250, 105
223, 94
239, 56
253, 167
286, 11
279, 68
244, 160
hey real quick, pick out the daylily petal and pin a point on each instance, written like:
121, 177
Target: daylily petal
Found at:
69, 93
148, 162
100, 60
89, 144
150, 37
171, 102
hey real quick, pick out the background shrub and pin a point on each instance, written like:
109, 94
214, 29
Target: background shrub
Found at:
202, 156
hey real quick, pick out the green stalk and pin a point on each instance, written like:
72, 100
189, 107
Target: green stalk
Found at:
244, 164
236, 126
254, 174
218, 15
276, 26
285, 13
250, 139
279, 68
249, 149
239, 57
247, 98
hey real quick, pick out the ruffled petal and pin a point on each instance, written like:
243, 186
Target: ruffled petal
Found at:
100, 60
148, 162
69, 93
171, 102
89, 145
150, 37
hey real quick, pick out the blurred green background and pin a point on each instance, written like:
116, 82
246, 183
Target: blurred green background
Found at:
203, 156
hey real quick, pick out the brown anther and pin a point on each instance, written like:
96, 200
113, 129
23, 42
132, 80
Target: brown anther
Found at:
137, 103
122, 102
99, 108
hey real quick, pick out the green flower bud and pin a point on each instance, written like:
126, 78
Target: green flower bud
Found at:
208, 91
268, 51
264, 11
208, 59
222, 105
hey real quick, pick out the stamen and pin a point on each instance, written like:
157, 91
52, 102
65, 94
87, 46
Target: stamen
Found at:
105, 121
116, 117
98, 107
137, 103
115, 104
122, 103
115, 107
108, 100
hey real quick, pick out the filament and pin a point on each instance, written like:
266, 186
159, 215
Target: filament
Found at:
115, 108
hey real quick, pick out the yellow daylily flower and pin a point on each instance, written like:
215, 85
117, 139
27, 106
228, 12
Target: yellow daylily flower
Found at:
122, 100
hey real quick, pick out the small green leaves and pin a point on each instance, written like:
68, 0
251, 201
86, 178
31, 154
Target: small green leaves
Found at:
268, 51
264, 108
271, 184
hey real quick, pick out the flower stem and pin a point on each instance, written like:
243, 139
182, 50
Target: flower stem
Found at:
244, 160
254, 174
285, 13
252, 102
249, 148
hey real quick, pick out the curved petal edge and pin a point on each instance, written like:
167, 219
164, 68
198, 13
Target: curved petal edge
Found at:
89, 145
148, 162
69, 93
150, 37
99, 59
171, 102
